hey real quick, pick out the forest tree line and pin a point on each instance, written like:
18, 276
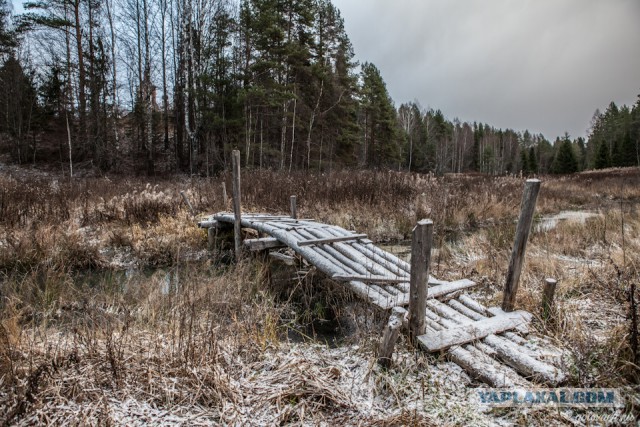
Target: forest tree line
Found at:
163, 86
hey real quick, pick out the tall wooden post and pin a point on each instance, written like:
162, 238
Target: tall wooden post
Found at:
294, 209
225, 198
528, 206
547, 296
421, 241
237, 228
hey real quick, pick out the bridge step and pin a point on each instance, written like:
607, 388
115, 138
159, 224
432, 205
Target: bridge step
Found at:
465, 333
467, 329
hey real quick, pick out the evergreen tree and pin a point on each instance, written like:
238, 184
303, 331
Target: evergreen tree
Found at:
8, 38
19, 109
524, 162
380, 142
565, 161
602, 159
533, 162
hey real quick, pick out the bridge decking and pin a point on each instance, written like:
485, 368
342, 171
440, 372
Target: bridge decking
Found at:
376, 275
488, 343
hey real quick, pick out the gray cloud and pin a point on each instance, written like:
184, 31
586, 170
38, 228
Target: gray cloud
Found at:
542, 65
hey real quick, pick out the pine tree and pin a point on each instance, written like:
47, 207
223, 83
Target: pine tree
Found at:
602, 158
565, 161
8, 39
524, 162
533, 162
379, 120
18, 109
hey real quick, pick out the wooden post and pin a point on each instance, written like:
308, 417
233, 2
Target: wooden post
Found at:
528, 206
186, 200
211, 237
294, 210
390, 336
225, 198
420, 257
237, 228
547, 297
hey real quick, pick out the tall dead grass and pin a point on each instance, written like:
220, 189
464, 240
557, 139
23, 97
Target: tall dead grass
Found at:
78, 341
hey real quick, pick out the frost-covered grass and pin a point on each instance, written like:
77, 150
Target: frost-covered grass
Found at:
80, 344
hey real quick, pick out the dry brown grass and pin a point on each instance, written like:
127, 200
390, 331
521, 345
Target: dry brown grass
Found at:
81, 343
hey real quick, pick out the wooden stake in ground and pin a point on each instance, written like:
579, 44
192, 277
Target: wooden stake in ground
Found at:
528, 206
390, 336
294, 210
237, 227
225, 198
420, 257
547, 297
186, 200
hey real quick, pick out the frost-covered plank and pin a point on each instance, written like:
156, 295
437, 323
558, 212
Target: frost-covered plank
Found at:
445, 288
466, 333
331, 240
480, 368
369, 279
497, 311
512, 355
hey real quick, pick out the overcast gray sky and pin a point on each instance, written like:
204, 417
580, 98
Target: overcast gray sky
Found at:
542, 65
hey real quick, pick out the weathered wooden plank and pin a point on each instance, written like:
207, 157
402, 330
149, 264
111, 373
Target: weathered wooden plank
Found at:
372, 295
458, 306
471, 332
378, 257
331, 240
472, 314
386, 256
480, 369
460, 316
442, 290
370, 279
497, 311
503, 374
263, 243
509, 351
512, 355
331, 249
473, 304
528, 206
371, 266
447, 288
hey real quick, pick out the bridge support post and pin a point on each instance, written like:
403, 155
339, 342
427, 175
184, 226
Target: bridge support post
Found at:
390, 336
237, 226
421, 241
528, 206
547, 297
294, 208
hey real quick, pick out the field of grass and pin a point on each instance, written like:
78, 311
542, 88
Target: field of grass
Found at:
113, 311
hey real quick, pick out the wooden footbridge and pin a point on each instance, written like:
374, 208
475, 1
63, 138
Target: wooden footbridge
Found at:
491, 344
